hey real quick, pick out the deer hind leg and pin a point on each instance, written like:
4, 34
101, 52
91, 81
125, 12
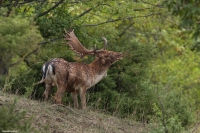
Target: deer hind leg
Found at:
59, 94
46, 92
82, 93
75, 99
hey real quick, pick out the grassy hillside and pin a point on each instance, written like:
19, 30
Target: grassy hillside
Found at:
25, 115
47, 117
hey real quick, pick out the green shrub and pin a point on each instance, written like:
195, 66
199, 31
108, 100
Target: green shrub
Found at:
173, 111
12, 120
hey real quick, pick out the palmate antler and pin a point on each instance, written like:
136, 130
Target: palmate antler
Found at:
76, 45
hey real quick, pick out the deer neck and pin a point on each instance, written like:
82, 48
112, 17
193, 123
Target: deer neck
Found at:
99, 70
98, 67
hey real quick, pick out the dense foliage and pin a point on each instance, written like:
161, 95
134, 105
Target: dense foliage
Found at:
157, 81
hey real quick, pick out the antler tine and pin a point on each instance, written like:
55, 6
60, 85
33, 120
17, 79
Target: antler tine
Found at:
77, 47
103, 49
65, 31
105, 45
71, 30
68, 32
75, 44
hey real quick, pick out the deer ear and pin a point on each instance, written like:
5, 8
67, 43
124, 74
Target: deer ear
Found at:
103, 61
98, 55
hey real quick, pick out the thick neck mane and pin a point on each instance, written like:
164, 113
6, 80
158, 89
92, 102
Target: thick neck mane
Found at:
98, 67
98, 70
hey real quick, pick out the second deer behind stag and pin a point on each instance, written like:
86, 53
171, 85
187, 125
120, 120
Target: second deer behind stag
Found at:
76, 77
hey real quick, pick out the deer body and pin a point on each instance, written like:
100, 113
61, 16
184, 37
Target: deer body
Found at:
76, 77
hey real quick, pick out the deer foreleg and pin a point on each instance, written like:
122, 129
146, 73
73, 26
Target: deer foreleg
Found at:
82, 93
75, 99
59, 94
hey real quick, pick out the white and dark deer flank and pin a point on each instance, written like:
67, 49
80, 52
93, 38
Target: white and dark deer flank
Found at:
76, 77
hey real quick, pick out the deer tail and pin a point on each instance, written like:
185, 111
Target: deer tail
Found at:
47, 68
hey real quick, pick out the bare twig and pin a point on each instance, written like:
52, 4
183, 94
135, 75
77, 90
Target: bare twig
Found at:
10, 8
141, 9
85, 12
124, 31
147, 2
1, 2
81, 1
50, 9
20, 3
119, 19
155, 5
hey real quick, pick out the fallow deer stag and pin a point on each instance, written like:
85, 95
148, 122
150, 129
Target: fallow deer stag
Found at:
77, 77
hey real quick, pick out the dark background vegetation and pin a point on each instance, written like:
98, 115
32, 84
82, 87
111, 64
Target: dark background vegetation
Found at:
157, 82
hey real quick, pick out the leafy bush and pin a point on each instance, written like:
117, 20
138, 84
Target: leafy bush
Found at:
172, 110
14, 121
19, 37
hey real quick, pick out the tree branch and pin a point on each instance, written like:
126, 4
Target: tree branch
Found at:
21, 3
87, 11
124, 31
33, 51
140, 9
147, 2
42, 44
119, 19
47, 11
10, 8
1, 2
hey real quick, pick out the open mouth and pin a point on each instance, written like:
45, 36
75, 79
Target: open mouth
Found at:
119, 56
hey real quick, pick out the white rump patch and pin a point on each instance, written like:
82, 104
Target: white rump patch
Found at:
50, 77
50, 69
43, 68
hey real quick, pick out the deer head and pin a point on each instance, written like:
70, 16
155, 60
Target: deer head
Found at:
108, 57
